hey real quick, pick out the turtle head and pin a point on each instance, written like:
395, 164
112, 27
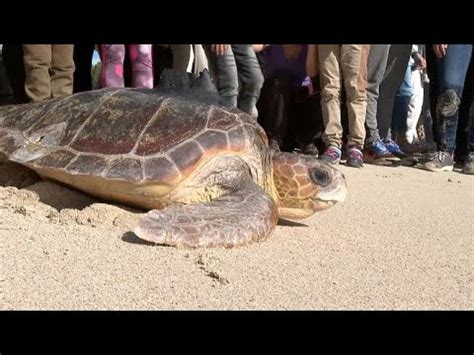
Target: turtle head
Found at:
305, 185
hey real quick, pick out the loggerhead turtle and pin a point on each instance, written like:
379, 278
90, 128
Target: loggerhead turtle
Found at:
205, 171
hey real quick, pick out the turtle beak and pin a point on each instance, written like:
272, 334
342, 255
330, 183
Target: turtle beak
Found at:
332, 182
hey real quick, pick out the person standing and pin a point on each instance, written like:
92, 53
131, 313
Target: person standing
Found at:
346, 63
237, 73
83, 53
49, 70
6, 93
286, 101
452, 63
112, 70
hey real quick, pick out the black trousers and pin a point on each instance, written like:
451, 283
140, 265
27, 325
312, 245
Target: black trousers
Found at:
464, 139
83, 53
287, 113
6, 93
15, 67
162, 59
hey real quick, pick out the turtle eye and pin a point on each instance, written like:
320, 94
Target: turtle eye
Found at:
319, 177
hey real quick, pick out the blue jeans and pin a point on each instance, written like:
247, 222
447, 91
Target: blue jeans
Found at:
452, 69
401, 102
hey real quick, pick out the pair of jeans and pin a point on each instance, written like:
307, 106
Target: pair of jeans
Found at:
376, 68
401, 103
238, 64
451, 72
387, 65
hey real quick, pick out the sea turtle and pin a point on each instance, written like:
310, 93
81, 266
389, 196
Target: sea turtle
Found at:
204, 170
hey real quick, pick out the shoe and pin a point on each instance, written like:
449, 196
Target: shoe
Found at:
355, 158
468, 166
377, 154
332, 155
439, 162
310, 149
393, 148
410, 148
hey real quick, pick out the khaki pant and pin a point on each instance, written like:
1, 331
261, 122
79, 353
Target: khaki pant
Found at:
49, 71
343, 63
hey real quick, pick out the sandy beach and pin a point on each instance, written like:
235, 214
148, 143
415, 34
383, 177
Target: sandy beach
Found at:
403, 239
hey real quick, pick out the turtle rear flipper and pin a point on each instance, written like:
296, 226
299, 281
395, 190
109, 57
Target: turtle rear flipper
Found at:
241, 217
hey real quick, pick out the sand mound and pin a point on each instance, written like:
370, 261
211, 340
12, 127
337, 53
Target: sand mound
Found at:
22, 191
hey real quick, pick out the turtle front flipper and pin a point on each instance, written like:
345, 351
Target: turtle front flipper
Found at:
244, 216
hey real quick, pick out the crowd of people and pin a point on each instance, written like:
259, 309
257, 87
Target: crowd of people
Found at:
377, 104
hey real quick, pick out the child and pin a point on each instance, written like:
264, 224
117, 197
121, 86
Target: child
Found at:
286, 102
113, 56
230, 65
345, 63
49, 70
